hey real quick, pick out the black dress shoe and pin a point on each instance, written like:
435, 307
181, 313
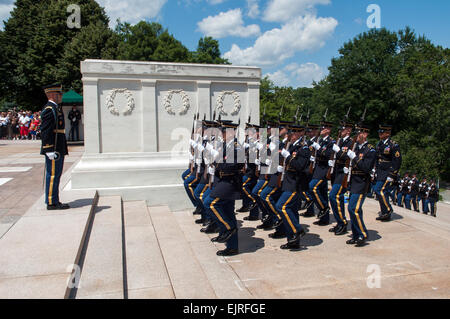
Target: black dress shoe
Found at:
226, 235
197, 211
351, 242
243, 209
308, 204
360, 242
59, 206
214, 239
267, 225
341, 230
228, 252
251, 218
277, 235
210, 229
296, 237
307, 215
323, 213
384, 217
278, 223
252, 206
321, 223
200, 221
291, 246
416, 210
333, 229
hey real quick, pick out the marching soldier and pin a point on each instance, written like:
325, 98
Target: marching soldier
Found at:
433, 197
387, 167
54, 145
319, 184
339, 188
296, 161
413, 190
363, 157
250, 178
423, 190
404, 190
226, 191
307, 196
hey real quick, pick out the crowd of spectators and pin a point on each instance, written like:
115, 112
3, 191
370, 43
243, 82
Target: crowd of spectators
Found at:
22, 125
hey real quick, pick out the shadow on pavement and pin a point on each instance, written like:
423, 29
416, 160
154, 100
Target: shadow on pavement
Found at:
81, 203
373, 235
250, 244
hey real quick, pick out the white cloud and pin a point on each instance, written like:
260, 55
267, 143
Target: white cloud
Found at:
228, 23
277, 45
5, 12
284, 10
297, 75
253, 8
132, 11
279, 78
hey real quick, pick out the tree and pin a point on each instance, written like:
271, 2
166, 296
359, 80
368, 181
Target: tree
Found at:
35, 37
208, 52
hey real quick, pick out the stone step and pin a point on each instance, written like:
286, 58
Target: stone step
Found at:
185, 272
221, 276
39, 252
102, 270
147, 276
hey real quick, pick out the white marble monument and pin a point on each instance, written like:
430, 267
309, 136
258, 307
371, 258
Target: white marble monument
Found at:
138, 120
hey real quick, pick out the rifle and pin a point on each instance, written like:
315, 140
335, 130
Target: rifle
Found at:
331, 169
191, 149
349, 162
313, 164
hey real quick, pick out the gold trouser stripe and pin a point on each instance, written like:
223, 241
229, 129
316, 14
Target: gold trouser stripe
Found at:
188, 176
217, 213
245, 191
286, 214
306, 196
190, 187
203, 191
382, 194
50, 189
270, 204
261, 189
357, 216
317, 195
339, 205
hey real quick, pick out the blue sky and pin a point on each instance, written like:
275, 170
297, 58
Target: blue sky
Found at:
293, 41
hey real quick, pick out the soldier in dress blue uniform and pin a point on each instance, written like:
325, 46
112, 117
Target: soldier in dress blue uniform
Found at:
319, 183
297, 158
250, 179
363, 158
226, 190
403, 190
387, 167
338, 190
306, 195
413, 191
54, 145
423, 190
191, 176
433, 197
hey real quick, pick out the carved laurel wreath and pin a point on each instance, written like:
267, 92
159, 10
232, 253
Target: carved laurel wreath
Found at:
168, 102
112, 96
237, 102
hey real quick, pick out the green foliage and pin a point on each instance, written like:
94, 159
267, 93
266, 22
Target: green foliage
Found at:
208, 52
401, 78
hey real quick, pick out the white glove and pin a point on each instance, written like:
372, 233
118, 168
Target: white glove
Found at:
272, 146
351, 154
198, 161
259, 146
209, 147
331, 163
246, 145
409, 187
51, 155
346, 170
390, 179
200, 148
316, 146
285, 153
268, 162
207, 162
257, 162
336, 148
192, 143
312, 159
280, 169
191, 157
215, 154
211, 170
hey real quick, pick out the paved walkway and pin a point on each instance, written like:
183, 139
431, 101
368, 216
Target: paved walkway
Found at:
21, 177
